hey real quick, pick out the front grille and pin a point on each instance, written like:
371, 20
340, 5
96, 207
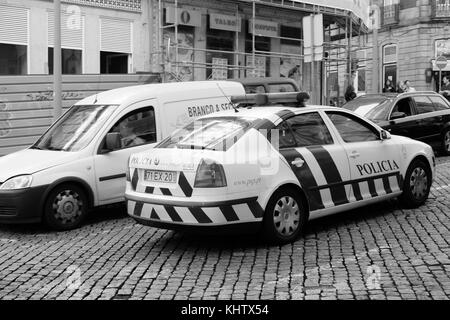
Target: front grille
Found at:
8, 211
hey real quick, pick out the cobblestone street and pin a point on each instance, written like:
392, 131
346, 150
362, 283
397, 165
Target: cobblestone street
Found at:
379, 252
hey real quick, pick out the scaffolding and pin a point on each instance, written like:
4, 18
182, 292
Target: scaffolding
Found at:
345, 36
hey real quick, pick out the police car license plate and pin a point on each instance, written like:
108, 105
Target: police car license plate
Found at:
160, 176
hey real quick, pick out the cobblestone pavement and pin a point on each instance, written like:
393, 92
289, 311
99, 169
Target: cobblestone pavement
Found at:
379, 252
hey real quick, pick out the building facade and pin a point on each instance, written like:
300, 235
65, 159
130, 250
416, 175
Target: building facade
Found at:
412, 34
215, 39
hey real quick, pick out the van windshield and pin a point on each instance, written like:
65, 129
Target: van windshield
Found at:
209, 133
75, 129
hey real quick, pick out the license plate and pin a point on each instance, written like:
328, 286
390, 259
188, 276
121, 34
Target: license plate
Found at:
161, 176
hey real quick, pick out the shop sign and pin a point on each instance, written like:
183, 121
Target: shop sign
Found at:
264, 28
184, 16
224, 22
442, 48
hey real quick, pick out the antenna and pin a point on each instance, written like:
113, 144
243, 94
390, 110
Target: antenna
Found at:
229, 100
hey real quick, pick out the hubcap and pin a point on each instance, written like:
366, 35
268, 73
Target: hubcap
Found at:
418, 183
447, 141
286, 216
67, 206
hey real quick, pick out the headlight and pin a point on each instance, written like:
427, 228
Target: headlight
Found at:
19, 182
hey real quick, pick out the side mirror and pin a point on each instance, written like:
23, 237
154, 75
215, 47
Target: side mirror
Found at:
397, 115
113, 141
384, 135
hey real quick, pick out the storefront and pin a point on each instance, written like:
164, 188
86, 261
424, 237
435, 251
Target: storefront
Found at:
216, 40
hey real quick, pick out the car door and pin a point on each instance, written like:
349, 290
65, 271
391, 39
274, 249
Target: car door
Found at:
375, 164
430, 120
407, 125
138, 132
320, 164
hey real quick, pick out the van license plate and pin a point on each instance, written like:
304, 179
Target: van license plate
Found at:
160, 176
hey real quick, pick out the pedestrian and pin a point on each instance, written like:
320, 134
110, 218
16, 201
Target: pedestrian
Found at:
400, 87
445, 89
350, 93
408, 87
388, 87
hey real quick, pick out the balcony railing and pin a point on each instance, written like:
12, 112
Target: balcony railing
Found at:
440, 9
390, 14
127, 5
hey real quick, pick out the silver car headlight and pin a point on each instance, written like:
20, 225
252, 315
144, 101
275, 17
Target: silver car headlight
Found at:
18, 182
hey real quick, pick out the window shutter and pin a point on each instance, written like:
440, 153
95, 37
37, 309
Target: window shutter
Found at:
71, 30
13, 25
115, 35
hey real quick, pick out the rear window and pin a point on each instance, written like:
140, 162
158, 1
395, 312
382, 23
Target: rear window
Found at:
209, 133
373, 108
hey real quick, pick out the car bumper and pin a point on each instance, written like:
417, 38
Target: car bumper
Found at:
22, 206
206, 216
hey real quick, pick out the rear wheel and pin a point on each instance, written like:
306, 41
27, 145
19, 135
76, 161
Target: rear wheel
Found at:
446, 142
285, 217
65, 207
417, 184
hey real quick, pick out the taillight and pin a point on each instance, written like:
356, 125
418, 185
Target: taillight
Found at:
127, 171
210, 175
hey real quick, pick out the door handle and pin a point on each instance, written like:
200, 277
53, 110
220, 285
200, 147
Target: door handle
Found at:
298, 162
354, 154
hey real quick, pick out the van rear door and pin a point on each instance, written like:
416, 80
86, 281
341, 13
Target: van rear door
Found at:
138, 129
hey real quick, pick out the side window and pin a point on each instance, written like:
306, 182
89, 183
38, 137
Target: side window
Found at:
352, 129
255, 89
423, 104
439, 103
281, 87
136, 128
286, 139
309, 130
403, 106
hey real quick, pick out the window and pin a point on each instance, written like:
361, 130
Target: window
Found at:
439, 103
285, 87
285, 136
352, 129
136, 128
403, 106
220, 40
254, 89
423, 104
390, 64
309, 130
210, 133
76, 128
13, 59
70, 61
113, 62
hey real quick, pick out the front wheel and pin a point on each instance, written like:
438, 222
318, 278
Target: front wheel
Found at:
65, 207
284, 217
417, 184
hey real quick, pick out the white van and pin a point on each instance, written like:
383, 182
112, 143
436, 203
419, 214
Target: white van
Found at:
80, 161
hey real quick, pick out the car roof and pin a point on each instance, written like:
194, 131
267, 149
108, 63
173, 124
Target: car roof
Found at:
266, 112
148, 91
396, 94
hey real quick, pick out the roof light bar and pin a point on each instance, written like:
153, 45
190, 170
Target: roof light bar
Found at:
262, 99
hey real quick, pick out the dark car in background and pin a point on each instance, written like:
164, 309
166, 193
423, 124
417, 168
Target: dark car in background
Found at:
423, 116
268, 85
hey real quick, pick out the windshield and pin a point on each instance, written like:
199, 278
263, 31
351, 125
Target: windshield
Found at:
373, 108
208, 133
75, 129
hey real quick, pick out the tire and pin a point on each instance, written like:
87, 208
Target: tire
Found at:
65, 207
417, 184
285, 217
445, 144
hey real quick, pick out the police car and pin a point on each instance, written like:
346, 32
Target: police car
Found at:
273, 167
